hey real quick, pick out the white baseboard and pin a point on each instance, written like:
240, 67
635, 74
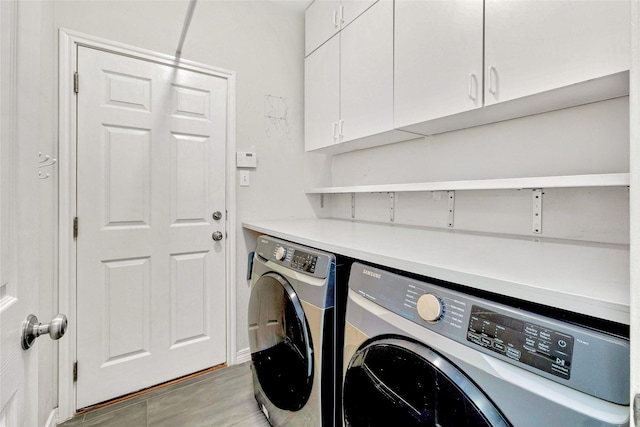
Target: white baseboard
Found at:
243, 355
52, 421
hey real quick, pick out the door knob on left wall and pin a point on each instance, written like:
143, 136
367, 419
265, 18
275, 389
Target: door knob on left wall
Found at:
32, 329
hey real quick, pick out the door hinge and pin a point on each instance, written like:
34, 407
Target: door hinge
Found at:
75, 227
75, 371
76, 84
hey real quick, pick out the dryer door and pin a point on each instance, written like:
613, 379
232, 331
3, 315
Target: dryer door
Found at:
280, 343
394, 381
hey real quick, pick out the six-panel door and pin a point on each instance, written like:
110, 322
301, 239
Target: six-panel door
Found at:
151, 172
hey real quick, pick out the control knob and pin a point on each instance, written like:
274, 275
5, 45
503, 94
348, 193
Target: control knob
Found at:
430, 308
281, 253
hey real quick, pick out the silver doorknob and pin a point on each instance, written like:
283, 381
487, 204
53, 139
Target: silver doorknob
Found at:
217, 215
32, 329
217, 236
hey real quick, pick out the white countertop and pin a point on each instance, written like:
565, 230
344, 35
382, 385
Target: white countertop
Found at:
586, 278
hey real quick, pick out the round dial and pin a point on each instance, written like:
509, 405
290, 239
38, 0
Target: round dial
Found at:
430, 308
281, 253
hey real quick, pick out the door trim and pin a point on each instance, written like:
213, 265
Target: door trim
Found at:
68, 42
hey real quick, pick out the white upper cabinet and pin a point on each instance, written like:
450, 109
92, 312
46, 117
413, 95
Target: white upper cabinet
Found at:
438, 66
438, 59
321, 23
322, 95
349, 82
536, 46
366, 74
325, 18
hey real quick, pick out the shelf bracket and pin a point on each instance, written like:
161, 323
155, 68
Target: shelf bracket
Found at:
537, 210
451, 195
392, 206
353, 205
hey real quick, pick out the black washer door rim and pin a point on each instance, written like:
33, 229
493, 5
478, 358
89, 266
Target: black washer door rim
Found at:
281, 344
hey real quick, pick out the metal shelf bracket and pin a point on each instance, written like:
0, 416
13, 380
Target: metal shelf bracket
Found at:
353, 205
537, 210
452, 207
392, 206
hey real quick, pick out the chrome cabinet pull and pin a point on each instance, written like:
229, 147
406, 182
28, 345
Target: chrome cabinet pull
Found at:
493, 81
473, 87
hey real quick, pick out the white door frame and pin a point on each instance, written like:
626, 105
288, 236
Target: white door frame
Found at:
68, 43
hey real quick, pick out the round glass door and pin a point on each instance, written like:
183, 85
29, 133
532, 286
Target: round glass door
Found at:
280, 343
398, 382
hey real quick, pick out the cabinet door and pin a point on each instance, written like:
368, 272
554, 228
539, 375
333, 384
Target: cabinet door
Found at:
321, 23
534, 46
366, 73
438, 59
322, 94
351, 9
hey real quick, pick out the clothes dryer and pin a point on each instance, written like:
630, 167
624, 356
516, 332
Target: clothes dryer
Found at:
296, 325
419, 353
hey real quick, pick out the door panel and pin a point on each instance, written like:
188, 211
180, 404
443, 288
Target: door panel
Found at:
151, 171
366, 73
437, 59
322, 95
19, 226
534, 46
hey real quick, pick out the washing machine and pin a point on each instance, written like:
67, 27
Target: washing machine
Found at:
423, 353
296, 325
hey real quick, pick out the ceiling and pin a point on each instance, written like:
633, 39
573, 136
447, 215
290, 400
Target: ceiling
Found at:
294, 5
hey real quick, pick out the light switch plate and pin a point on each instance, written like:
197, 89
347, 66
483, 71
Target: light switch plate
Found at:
244, 178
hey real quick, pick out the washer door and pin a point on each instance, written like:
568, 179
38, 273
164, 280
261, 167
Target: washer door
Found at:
399, 382
280, 343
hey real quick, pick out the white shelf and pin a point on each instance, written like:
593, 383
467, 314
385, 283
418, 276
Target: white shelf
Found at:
586, 278
568, 181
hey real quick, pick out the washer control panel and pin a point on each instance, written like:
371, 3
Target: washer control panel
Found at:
293, 256
577, 356
535, 345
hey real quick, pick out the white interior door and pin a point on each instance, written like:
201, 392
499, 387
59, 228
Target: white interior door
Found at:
151, 173
18, 234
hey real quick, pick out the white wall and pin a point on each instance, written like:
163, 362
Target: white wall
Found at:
589, 139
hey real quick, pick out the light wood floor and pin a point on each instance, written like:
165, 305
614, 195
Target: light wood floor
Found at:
223, 398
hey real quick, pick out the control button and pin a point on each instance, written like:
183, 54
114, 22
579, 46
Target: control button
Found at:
562, 343
499, 347
430, 308
513, 353
281, 253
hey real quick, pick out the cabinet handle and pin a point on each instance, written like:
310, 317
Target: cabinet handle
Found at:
342, 14
341, 133
335, 131
335, 18
493, 81
473, 87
